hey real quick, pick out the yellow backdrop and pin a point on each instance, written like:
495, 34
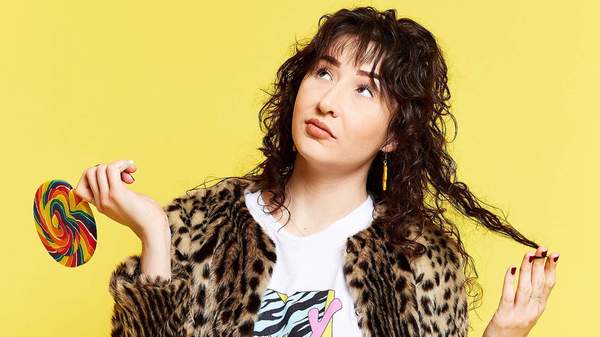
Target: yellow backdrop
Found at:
175, 86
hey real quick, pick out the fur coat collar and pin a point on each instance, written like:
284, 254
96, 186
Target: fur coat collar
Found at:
222, 261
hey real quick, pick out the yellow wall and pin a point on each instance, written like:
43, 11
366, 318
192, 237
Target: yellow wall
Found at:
169, 83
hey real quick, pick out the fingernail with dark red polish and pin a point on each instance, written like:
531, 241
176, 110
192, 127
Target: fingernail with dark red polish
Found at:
556, 258
513, 270
531, 258
544, 253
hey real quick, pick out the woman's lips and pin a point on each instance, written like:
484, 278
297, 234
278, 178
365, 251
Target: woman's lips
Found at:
317, 132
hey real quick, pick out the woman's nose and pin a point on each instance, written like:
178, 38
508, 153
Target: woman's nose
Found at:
330, 100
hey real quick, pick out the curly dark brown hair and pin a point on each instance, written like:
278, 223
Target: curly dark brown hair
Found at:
414, 82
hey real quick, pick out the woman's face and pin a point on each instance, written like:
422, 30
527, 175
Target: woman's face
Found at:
342, 97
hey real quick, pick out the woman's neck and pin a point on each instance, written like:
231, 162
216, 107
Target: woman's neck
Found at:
316, 203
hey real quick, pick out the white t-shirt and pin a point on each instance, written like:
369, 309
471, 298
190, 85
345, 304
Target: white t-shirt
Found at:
307, 294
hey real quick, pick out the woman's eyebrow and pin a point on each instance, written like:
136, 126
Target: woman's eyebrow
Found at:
335, 62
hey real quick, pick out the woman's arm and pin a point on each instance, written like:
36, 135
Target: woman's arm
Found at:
152, 301
518, 313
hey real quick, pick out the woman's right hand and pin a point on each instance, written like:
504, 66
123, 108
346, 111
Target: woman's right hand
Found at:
103, 186
519, 309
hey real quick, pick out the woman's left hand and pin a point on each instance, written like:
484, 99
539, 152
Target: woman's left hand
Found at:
518, 313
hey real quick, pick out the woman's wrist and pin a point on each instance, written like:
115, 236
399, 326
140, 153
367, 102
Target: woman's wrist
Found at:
159, 235
155, 262
156, 258
499, 328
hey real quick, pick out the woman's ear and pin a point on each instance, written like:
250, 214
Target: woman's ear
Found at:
390, 147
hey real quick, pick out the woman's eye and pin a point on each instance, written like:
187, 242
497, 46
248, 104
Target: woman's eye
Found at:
321, 71
366, 87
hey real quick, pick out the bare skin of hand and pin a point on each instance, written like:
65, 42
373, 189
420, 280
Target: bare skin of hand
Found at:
519, 311
104, 186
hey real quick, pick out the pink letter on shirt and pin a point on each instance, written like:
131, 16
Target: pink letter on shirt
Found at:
313, 317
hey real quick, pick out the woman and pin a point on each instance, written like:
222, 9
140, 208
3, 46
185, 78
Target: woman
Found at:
355, 146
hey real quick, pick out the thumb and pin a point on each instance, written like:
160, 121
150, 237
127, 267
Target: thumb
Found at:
120, 174
131, 168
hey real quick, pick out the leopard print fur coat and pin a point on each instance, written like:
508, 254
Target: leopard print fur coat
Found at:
221, 262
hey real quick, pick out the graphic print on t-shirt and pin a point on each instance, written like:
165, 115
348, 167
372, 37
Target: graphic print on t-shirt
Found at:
301, 314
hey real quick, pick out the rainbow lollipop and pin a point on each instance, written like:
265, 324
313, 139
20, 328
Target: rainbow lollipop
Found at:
64, 223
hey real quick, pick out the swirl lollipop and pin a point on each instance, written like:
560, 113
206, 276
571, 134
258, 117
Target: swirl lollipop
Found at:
65, 223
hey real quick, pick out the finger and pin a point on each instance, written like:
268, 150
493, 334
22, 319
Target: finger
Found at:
115, 173
131, 168
508, 289
550, 277
537, 274
83, 188
524, 288
102, 185
127, 175
91, 178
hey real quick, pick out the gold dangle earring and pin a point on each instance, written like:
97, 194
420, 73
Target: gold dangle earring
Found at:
384, 180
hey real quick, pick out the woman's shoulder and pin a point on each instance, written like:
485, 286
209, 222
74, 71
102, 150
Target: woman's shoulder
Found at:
198, 205
226, 190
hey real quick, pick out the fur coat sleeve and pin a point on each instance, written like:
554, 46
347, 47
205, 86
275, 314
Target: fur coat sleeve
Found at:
148, 306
